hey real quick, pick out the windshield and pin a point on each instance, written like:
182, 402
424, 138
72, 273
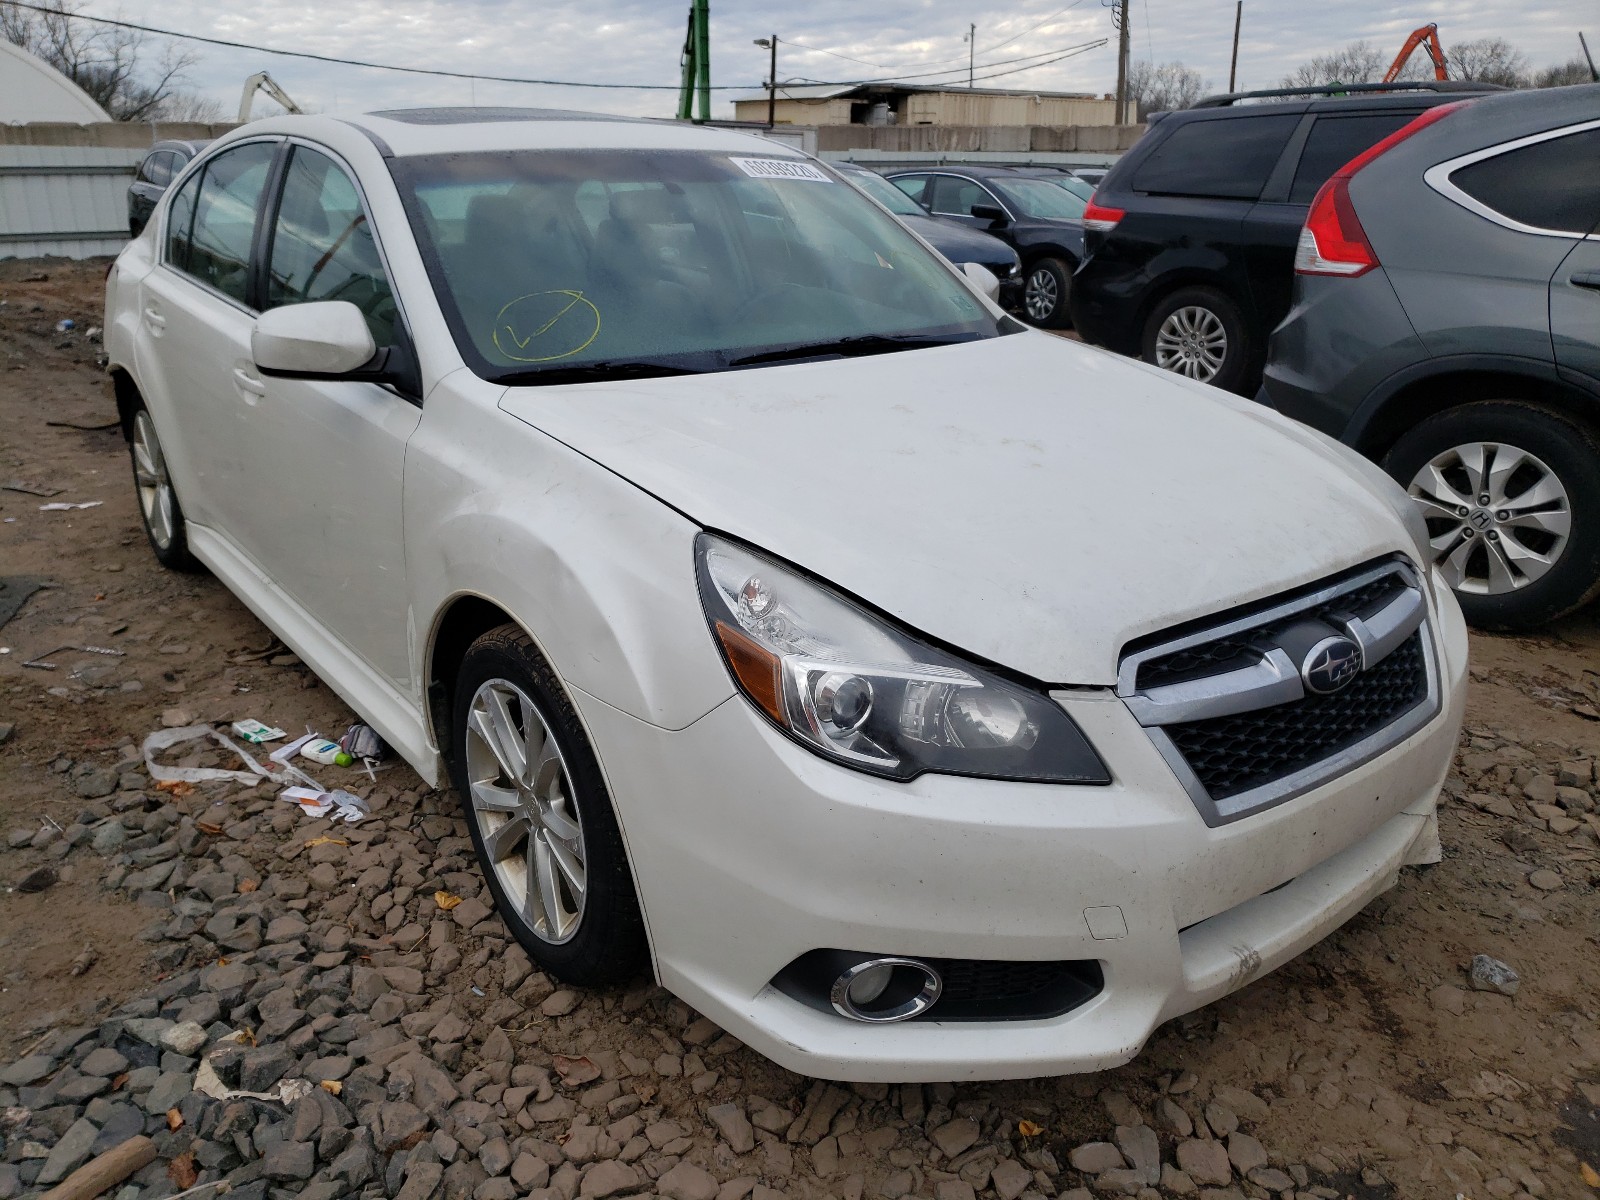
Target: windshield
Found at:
1078, 187
563, 265
1042, 199
885, 193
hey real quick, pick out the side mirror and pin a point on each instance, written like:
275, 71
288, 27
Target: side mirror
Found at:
328, 339
986, 279
989, 212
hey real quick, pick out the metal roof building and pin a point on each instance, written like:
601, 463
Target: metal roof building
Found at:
912, 104
32, 90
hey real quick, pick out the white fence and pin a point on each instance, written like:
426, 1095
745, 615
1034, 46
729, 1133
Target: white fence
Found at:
64, 200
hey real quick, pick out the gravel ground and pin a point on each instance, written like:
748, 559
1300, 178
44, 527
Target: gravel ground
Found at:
161, 953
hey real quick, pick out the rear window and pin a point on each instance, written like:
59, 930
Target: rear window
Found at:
1548, 185
1334, 141
1229, 159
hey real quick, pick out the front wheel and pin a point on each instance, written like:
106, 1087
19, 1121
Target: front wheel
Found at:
540, 816
159, 510
1510, 493
1045, 292
1199, 333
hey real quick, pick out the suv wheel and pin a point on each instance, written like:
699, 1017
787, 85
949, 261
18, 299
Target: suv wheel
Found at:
159, 510
1199, 333
1044, 294
1511, 495
540, 815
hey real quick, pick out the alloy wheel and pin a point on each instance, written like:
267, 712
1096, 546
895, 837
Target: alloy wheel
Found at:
1192, 342
154, 483
526, 813
1498, 517
1041, 296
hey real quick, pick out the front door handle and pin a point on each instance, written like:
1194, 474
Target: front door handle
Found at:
156, 322
1587, 279
249, 386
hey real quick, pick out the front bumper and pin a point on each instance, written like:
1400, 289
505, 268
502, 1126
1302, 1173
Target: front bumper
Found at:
749, 851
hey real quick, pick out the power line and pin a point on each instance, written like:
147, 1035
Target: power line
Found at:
350, 62
836, 54
1031, 28
1064, 51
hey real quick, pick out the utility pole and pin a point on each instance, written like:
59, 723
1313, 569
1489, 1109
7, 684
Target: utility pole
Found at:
1233, 66
772, 79
1119, 13
972, 43
695, 90
1582, 41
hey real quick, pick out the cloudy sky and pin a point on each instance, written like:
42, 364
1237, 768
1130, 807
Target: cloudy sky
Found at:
638, 41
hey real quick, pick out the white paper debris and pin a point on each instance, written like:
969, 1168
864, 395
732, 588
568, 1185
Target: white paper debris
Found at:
163, 739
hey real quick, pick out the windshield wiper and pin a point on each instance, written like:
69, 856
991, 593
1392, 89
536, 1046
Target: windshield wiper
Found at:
594, 372
852, 347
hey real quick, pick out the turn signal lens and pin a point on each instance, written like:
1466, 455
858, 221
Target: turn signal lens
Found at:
1102, 218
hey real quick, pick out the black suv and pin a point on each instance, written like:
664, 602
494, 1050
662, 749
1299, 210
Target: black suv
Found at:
165, 161
1191, 236
1042, 221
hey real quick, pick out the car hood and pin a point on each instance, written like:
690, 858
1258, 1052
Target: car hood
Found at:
960, 244
1032, 501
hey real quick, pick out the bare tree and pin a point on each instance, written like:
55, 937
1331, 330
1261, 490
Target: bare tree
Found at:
1359, 62
1564, 74
107, 62
1488, 60
1164, 88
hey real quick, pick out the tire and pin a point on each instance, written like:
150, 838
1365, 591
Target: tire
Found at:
1045, 291
584, 928
1531, 553
1199, 333
159, 510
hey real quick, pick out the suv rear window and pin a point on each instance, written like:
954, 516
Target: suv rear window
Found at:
1334, 141
1229, 158
1548, 185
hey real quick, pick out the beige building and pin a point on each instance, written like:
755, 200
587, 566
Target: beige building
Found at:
907, 104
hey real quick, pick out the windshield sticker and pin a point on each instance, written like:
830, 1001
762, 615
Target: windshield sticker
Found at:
545, 326
780, 168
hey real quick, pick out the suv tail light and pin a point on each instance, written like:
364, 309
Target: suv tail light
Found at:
1332, 242
1100, 217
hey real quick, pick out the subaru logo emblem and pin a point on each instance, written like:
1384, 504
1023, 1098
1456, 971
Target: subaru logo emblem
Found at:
1332, 663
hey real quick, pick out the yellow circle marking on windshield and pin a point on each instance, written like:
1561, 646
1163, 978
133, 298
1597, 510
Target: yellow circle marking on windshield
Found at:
556, 324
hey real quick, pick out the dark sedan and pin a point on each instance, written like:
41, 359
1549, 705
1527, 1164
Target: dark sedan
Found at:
165, 161
956, 241
1037, 218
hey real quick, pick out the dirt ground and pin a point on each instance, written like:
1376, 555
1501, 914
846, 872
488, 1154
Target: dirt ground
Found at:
1384, 1072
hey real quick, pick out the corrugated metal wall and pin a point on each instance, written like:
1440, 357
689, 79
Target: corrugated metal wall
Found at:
64, 200
955, 108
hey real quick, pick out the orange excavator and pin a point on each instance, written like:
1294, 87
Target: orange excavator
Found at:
1428, 38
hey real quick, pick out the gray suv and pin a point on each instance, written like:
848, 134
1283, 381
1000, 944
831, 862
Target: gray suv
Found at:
1446, 323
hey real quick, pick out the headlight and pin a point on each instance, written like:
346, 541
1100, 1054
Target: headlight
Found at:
859, 691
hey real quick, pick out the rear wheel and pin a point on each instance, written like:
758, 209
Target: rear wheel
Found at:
1511, 496
159, 509
1199, 333
540, 816
1045, 291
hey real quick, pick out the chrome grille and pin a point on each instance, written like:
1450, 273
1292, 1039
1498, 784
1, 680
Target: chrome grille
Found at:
1228, 706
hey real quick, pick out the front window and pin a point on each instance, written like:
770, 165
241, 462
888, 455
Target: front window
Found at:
1043, 200
885, 193
557, 266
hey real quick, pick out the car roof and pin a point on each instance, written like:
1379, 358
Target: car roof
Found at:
404, 132
190, 146
976, 170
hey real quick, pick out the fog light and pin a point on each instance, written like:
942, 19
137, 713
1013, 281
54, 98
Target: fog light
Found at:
881, 990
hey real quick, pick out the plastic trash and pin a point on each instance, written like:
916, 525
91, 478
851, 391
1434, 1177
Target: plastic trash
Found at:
338, 805
321, 750
256, 732
163, 739
65, 325
62, 506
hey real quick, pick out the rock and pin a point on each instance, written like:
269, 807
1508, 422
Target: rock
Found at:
289, 1161
422, 1179
1545, 880
109, 838
1245, 1153
607, 1179
1491, 975
263, 1066
1447, 998
71, 1152
495, 1155
687, 1182
37, 880
1541, 789
1176, 1182
1172, 1117
102, 781
1010, 1179
953, 1189
1120, 1182
469, 912
558, 1004
1123, 1110
1142, 1149
1272, 1179
27, 1070
955, 1137
103, 1062
1092, 1158
167, 1092
1222, 1119
734, 1127
530, 1173
1204, 1162
186, 1038
1248, 1105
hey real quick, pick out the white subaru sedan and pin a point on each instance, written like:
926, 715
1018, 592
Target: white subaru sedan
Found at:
919, 696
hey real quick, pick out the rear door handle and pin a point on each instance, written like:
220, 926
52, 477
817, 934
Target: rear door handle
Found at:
154, 320
248, 384
1587, 279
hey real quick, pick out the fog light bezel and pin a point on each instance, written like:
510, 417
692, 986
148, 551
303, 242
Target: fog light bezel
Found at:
917, 1004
